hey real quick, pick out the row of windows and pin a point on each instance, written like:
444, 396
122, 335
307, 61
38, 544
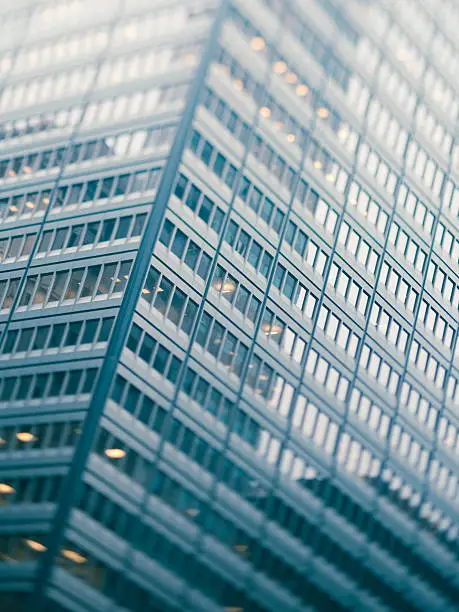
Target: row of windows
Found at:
199, 203
234, 292
197, 388
124, 144
412, 55
75, 560
39, 436
427, 364
414, 402
379, 369
87, 43
49, 289
261, 205
56, 385
37, 124
305, 247
248, 248
147, 62
223, 345
387, 325
81, 235
417, 404
407, 247
120, 107
377, 167
209, 155
153, 353
358, 247
398, 336
59, 336
212, 215
31, 490
348, 289
436, 324
447, 241
112, 71
338, 332
185, 249
448, 434
211, 400
301, 297
432, 128
24, 204
280, 119
443, 283
424, 166
385, 126
112, 229
79, 194
416, 209
368, 208
16, 247
402, 443
394, 283
224, 410
326, 375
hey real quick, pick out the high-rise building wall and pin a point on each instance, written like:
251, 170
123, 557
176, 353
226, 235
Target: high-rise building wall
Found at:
229, 292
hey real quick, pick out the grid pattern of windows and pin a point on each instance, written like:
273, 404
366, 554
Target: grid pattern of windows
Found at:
229, 297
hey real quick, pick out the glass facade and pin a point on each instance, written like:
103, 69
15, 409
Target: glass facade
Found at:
229, 294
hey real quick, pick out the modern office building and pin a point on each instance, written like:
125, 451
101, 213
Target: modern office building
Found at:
229, 293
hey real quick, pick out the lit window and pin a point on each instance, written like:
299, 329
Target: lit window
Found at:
258, 44
25, 436
279, 67
36, 546
265, 112
115, 453
73, 556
